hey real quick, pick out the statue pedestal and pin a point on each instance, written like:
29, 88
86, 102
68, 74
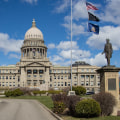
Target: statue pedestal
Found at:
109, 80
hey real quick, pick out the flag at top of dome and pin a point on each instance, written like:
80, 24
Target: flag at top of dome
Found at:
90, 6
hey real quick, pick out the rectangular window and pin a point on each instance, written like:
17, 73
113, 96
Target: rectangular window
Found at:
29, 71
82, 76
40, 71
34, 71
87, 83
10, 77
58, 83
6, 77
61, 83
92, 76
61, 77
65, 83
13, 77
58, 77
50, 78
54, 77
82, 83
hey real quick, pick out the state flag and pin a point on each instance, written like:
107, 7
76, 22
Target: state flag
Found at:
93, 28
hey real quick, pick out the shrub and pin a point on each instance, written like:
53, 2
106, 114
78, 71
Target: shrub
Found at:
42, 92
59, 97
87, 108
107, 102
71, 102
35, 92
79, 90
54, 92
66, 90
59, 107
16, 92
8, 93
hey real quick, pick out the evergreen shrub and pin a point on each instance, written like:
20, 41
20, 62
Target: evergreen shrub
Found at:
79, 90
88, 108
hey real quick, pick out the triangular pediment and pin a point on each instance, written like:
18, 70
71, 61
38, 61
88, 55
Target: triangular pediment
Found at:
35, 64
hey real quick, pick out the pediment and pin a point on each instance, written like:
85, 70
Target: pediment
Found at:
34, 64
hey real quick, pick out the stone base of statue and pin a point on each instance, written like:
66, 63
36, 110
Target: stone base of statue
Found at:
71, 93
109, 82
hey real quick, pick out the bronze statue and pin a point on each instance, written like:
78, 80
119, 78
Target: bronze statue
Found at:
108, 51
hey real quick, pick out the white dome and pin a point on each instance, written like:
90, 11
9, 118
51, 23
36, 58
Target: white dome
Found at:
34, 32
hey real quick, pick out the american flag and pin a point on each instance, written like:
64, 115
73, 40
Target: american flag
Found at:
90, 6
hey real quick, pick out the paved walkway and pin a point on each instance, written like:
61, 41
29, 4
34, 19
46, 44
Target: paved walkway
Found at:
12, 109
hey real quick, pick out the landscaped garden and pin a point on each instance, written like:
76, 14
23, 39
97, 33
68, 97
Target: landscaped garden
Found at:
97, 107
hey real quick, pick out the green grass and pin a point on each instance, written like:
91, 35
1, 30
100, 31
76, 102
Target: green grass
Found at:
46, 100
98, 118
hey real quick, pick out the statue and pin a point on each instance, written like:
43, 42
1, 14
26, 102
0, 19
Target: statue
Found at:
108, 51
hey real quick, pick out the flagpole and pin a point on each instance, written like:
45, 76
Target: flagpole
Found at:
71, 45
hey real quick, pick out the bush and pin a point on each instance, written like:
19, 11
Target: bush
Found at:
88, 108
59, 107
107, 102
8, 93
54, 92
35, 92
59, 97
79, 90
16, 92
71, 102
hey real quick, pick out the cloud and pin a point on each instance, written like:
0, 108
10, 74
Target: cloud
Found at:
51, 46
30, 1
62, 6
111, 12
9, 45
76, 54
65, 45
98, 60
98, 41
14, 56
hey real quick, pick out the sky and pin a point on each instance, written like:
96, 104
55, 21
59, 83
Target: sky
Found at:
53, 19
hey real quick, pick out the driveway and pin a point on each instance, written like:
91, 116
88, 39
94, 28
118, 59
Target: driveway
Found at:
13, 109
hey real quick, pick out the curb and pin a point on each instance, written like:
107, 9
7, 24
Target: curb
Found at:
56, 116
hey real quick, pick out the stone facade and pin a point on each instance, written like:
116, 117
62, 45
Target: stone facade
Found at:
36, 71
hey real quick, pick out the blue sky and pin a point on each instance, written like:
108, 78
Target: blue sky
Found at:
53, 19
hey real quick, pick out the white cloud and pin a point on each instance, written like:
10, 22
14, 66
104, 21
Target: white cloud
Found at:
98, 41
9, 45
30, 1
62, 6
51, 46
65, 45
76, 54
14, 56
98, 60
111, 12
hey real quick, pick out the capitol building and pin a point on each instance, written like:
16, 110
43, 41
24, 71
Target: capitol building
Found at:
36, 71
